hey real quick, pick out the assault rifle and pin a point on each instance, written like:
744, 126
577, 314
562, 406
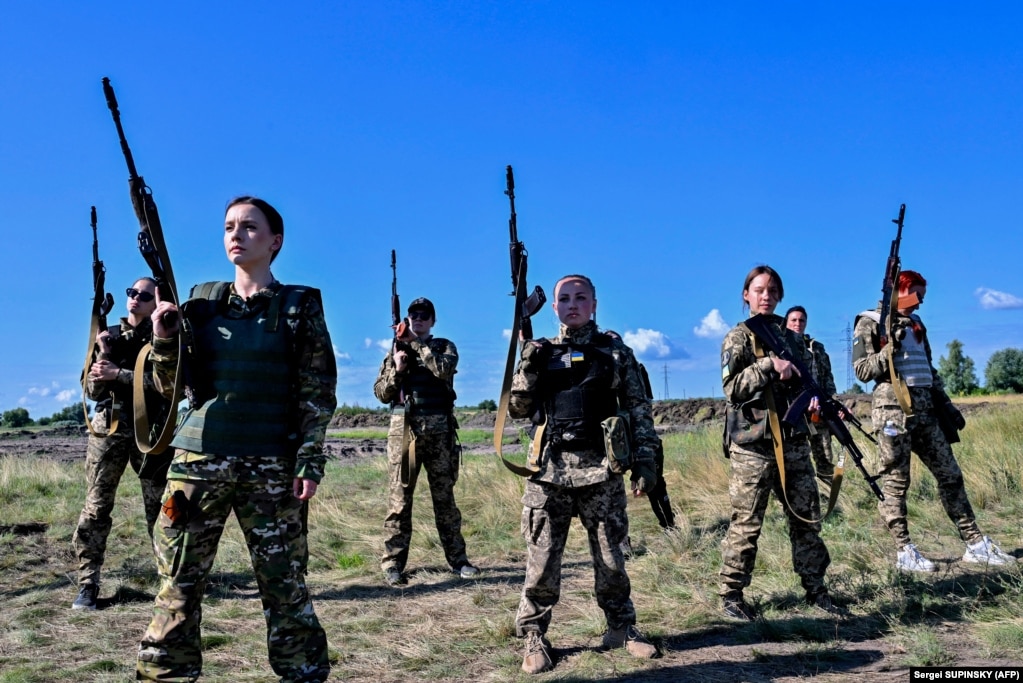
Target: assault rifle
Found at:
398, 323
102, 304
890, 284
889, 303
831, 411
154, 251
102, 301
525, 308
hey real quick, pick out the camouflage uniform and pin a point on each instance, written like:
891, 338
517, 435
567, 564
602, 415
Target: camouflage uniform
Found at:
107, 456
754, 470
436, 450
579, 482
204, 488
820, 443
919, 433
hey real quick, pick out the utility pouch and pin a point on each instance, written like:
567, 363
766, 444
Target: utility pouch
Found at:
746, 423
616, 443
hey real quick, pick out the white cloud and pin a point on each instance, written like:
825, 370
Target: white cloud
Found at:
506, 334
367, 342
384, 344
992, 299
712, 325
66, 395
648, 343
339, 354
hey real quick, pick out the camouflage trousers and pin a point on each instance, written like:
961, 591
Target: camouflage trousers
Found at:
186, 538
436, 453
546, 517
919, 434
754, 477
105, 462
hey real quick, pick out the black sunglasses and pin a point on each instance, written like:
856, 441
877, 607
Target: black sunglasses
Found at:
419, 314
144, 297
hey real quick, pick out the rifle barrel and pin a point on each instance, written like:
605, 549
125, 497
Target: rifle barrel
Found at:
108, 91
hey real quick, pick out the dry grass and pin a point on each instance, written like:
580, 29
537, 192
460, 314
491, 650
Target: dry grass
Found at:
440, 628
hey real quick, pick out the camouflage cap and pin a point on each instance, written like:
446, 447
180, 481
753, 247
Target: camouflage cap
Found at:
423, 304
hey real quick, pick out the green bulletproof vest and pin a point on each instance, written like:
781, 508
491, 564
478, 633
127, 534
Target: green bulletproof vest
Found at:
244, 369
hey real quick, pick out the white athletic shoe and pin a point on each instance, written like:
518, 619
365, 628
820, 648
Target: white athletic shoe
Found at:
986, 552
910, 560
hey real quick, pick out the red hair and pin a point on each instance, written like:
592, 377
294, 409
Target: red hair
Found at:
909, 278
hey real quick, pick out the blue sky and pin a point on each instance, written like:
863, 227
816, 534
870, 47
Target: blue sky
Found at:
662, 148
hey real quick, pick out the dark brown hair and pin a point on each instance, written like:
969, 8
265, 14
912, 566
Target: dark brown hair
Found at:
273, 218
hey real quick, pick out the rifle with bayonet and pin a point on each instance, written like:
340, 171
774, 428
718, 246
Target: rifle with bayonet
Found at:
102, 304
526, 306
154, 251
890, 304
831, 411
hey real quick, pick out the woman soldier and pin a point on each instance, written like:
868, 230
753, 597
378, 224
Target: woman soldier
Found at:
757, 383
262, 379
570, 386
109, 383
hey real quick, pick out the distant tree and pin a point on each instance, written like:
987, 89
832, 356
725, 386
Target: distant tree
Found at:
1004, 371
488, 405
855, 389
16, 417
957, 371
72, 413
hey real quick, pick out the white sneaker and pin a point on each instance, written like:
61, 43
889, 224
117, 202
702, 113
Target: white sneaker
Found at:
986, 552
910, 560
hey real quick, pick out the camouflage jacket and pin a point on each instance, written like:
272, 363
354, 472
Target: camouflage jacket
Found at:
315, 399
125, 350
585, 467
436, 354
871, 365
821, 366
745, 378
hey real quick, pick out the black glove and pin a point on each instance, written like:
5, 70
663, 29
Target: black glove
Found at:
644, 476
955, 416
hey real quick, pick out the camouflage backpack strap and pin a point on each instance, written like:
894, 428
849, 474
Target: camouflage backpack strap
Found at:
779, 446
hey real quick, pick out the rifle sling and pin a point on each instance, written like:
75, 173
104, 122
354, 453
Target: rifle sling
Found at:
779, 450
898, 384
407, 470
142, 438
532, 467
115, 407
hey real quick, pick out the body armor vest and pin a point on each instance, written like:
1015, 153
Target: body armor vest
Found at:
426, 393
578, 393
246, 394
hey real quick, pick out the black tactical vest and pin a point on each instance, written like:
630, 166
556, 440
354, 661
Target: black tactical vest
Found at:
426, 393
577, 393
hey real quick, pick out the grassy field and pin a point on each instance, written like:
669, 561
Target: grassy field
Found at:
440, 628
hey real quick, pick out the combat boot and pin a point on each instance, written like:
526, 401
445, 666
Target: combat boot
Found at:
736, 607
87, 596
538, 653
635, 643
